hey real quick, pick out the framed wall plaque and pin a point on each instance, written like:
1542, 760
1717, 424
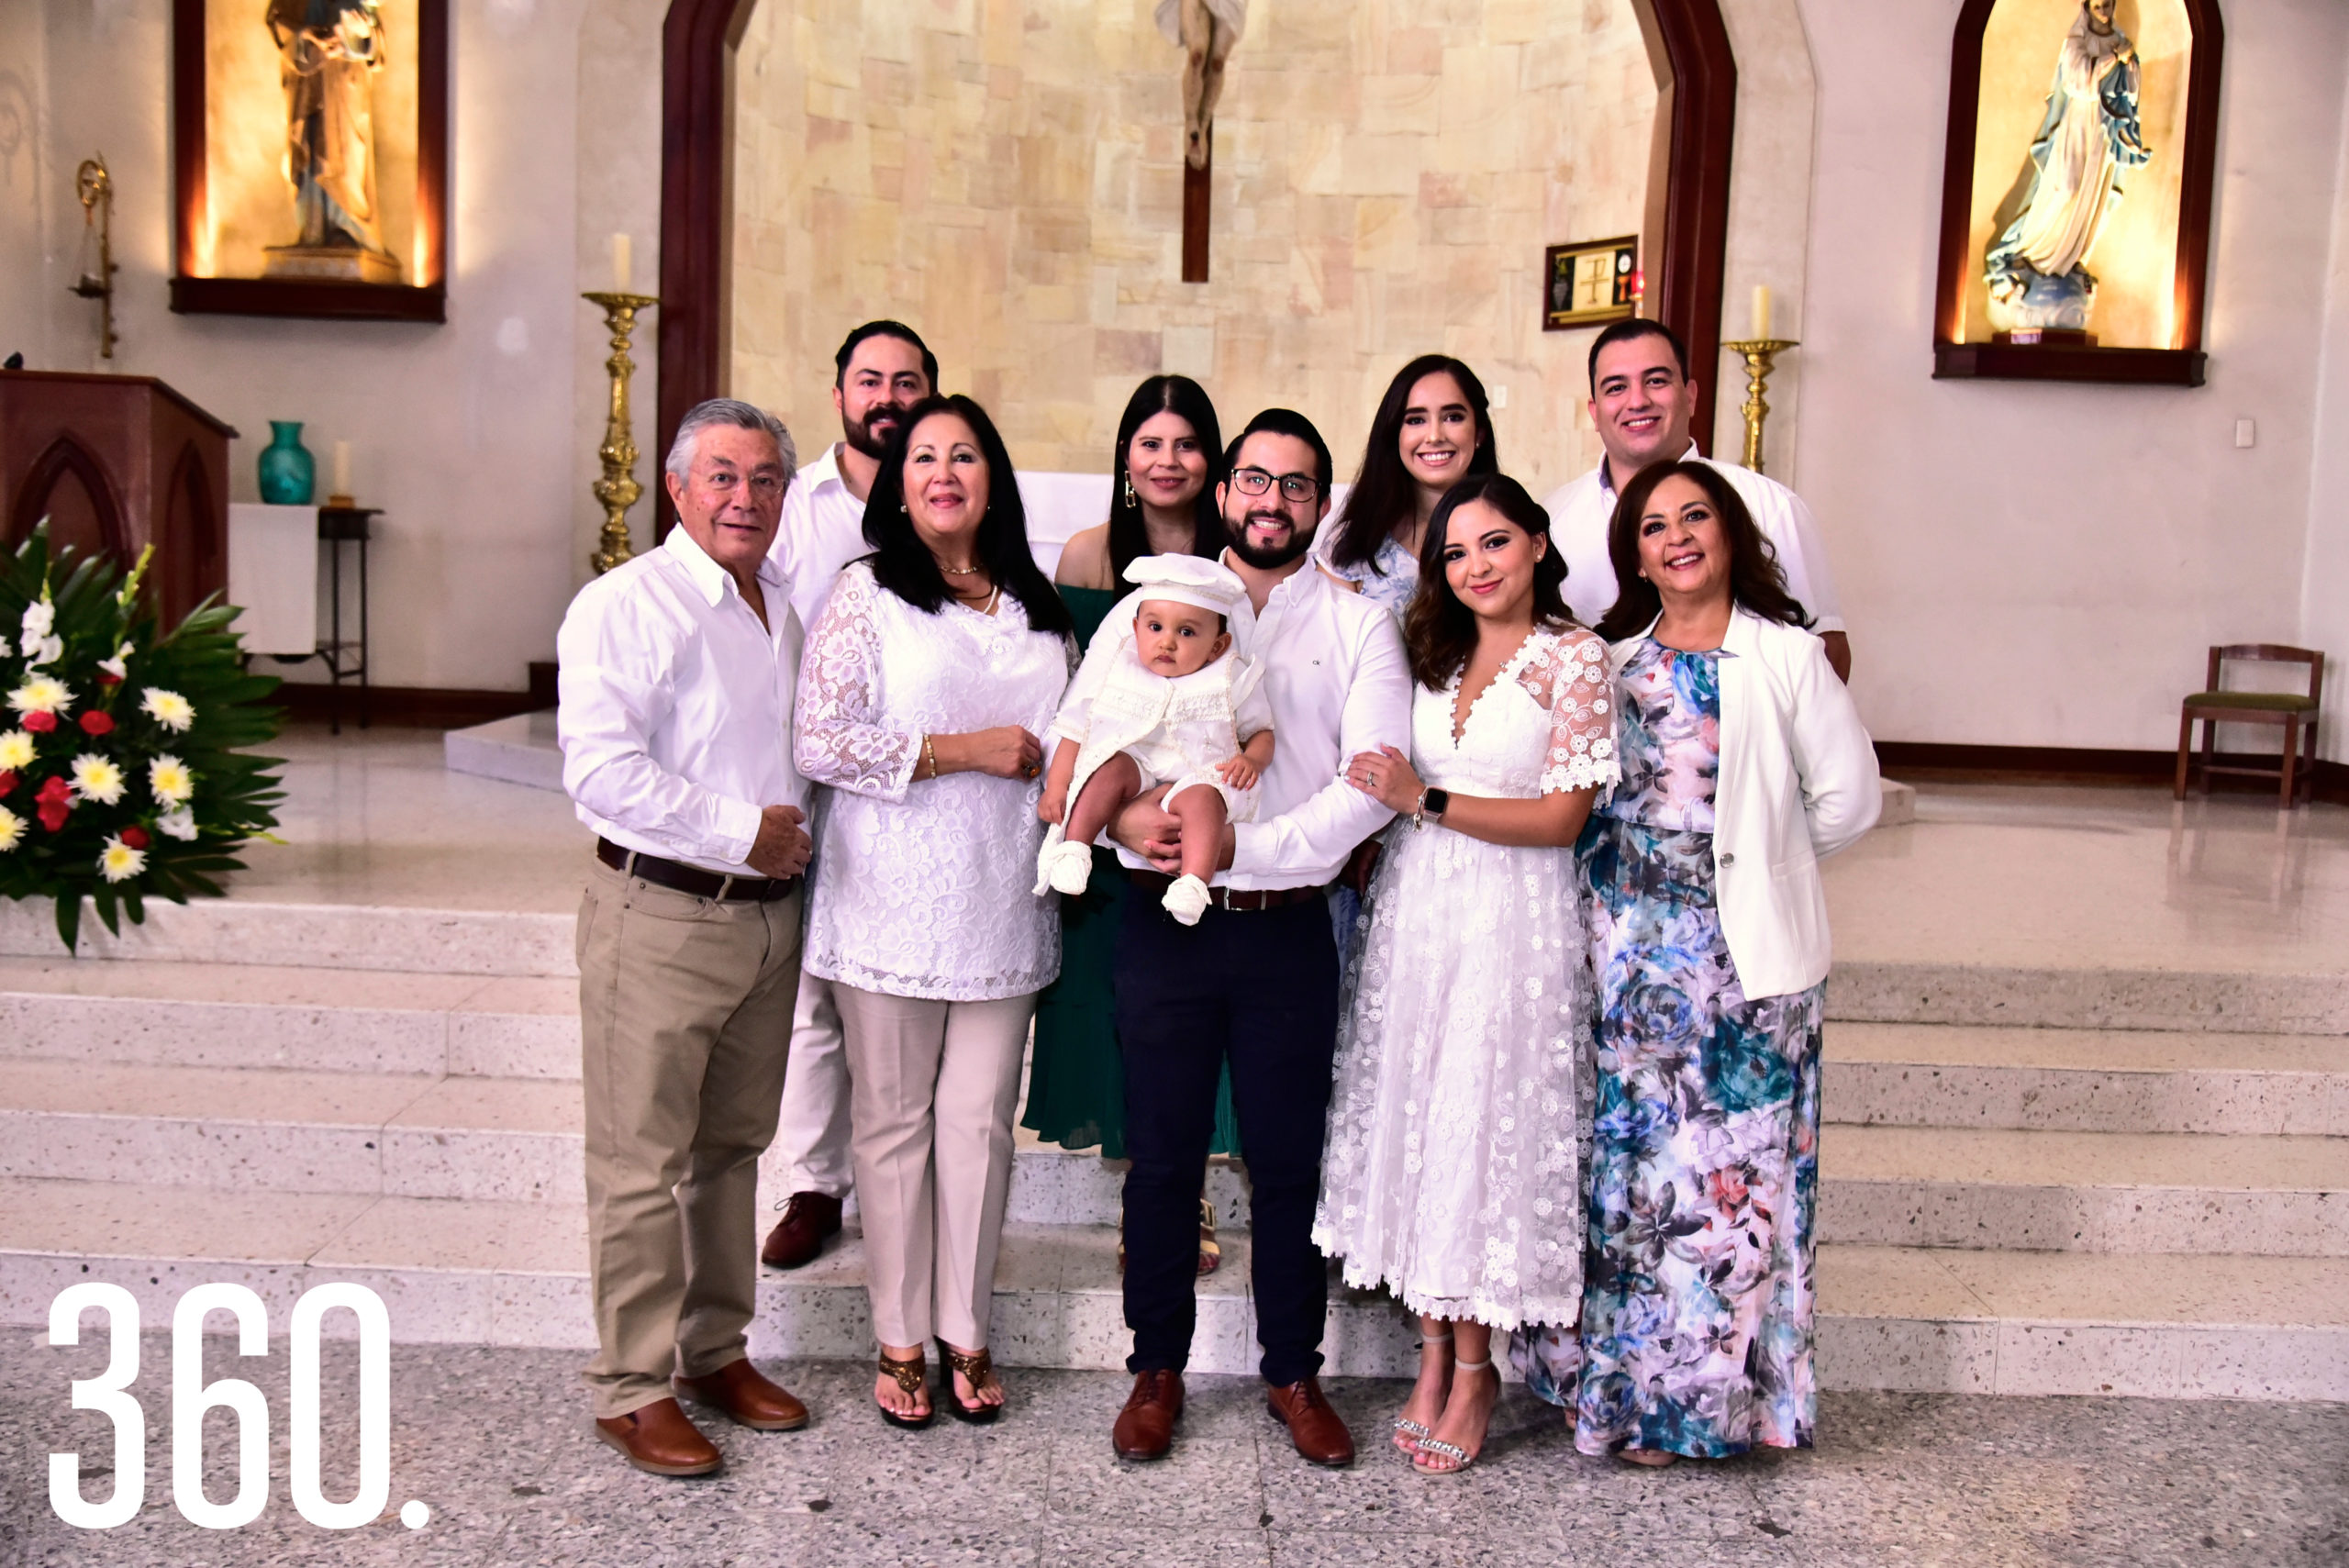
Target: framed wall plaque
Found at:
2075, 194
310, 158
1590, 284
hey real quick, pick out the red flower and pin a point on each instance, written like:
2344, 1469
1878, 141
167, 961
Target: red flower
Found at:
98, 721
56, 799
8, 781
41, 723
106, 678
135, 837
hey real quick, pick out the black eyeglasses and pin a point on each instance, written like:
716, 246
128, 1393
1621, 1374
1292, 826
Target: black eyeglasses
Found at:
1294, 486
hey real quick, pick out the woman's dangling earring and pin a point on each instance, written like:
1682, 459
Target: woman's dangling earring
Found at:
1130, 487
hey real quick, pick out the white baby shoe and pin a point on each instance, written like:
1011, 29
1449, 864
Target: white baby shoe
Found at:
1187, 899
1065, 867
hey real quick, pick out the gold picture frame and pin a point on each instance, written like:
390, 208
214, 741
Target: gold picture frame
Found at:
1590, 283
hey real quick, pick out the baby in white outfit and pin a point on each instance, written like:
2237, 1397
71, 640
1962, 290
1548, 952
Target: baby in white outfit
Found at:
1174, 703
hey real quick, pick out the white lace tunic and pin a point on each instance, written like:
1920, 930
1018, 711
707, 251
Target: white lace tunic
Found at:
1452, 1173
921, 887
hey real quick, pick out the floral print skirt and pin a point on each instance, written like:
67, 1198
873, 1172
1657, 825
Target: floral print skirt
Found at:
1697, 1301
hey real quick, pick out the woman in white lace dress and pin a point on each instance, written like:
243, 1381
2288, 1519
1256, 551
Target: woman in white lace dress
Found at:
938, 661
1452, 1174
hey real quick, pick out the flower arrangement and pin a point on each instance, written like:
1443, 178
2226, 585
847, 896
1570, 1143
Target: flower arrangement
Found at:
122, 772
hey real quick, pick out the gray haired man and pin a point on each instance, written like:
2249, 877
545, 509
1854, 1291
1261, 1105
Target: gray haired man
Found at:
677, 675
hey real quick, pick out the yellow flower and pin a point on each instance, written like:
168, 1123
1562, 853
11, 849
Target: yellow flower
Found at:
120, 862
171, 781
12, 830
94, 778
42, 694
169, 709
16, 750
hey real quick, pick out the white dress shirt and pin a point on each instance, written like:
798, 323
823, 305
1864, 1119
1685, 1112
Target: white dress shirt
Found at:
1580, 513
1339, 684
823, 530
676, 715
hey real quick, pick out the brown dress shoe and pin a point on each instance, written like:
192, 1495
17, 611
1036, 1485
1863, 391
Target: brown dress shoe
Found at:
660, 1439
1145, 1428
750, 1399
1316, 1430
809, 1220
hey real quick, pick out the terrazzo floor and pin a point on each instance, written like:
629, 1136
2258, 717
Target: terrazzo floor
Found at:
496, 1442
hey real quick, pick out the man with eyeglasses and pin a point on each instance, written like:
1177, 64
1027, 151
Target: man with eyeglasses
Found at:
1256, 980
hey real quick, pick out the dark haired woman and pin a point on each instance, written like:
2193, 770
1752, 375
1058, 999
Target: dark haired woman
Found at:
1432, 430
1450, 1173
1169, 456
935, 665
1743, 763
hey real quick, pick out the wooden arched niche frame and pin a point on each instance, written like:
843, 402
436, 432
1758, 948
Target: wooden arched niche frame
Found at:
2180, 364
1698, 103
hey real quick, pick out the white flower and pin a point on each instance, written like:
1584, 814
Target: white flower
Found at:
179, 823
16, 750
41, 693
119, 665
167, 709
120, 862
40, 651
171, 781
41, 619
94, 778
12, 830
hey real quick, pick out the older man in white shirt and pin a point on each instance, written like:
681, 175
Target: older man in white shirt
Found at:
1641, 401
882, 370
1256, 980
678, 671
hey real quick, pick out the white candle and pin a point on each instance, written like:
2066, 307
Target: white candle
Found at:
620, 259
343, 467
1761, 310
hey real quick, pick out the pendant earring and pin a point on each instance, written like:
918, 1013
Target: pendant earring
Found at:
1129, 488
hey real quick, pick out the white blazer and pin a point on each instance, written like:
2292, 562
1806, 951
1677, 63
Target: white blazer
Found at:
1797, 782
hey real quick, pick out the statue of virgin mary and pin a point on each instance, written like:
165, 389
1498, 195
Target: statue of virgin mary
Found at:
330, 51
2036, 270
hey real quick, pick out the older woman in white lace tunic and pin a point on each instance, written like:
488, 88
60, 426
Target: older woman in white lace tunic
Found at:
936, 662
1451, 1174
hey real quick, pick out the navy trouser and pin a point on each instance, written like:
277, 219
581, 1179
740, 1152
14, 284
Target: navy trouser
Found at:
1261, 988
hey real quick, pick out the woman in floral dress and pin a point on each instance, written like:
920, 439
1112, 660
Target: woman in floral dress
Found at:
1743, 763
1449, 1174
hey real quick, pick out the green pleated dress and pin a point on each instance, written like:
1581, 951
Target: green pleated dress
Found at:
1077, 1082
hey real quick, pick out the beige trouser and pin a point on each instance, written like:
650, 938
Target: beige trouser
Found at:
684, 1014
931, 1089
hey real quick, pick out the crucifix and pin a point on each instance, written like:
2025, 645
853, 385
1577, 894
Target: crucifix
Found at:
1207, 30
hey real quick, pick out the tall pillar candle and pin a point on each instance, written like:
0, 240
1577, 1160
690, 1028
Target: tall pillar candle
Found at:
621, 263
1761, 310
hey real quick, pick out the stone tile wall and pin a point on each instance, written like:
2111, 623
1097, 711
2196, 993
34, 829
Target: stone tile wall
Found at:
1007, 176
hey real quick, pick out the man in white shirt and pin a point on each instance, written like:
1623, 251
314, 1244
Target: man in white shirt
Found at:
1641, 401
1256, 980
883, 368
678, 671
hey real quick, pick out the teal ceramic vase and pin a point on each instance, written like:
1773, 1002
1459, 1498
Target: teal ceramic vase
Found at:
289, 474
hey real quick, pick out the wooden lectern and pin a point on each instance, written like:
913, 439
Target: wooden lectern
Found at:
118, 463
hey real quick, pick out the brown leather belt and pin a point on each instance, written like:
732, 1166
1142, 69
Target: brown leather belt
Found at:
693, 879
1239, 901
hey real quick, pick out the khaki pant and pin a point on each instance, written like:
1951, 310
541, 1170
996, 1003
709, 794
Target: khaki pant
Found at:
931, 1089
684, 1014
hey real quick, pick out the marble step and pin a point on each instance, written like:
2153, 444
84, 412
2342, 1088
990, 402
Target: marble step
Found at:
476, 1273
331, 935
2089, 996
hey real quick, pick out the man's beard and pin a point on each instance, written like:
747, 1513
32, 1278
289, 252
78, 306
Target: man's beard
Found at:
1263, 560
861, 437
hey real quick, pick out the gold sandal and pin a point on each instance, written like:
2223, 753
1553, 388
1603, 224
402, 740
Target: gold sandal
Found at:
912, 1376
979, 1367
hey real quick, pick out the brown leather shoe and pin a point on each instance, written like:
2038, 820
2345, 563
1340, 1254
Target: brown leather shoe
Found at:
1145, 1428
1316, 1430
660, 1439
809, 1220
747, 1398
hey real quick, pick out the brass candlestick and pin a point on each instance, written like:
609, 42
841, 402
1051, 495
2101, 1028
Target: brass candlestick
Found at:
95, 186
618, 490
1759, 352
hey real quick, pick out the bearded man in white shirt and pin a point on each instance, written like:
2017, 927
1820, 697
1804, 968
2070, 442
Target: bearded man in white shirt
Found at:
1255, 982
882, 370
678, 673
1641, 400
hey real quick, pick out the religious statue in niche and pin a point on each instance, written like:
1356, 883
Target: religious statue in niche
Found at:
2037, 267
1207, 30
330, 51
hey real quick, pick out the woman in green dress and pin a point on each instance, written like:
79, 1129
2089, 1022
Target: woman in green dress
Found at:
1170, 457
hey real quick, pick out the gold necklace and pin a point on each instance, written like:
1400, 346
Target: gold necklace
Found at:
962, 571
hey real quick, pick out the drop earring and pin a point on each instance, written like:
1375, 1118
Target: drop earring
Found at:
1130, 487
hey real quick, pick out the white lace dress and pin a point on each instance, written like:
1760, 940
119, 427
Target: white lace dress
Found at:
1452, 1174
922, 887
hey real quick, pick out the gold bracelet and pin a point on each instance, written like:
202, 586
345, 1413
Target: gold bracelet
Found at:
929, 749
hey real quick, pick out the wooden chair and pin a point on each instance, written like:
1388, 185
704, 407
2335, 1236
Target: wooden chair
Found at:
2296, 714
